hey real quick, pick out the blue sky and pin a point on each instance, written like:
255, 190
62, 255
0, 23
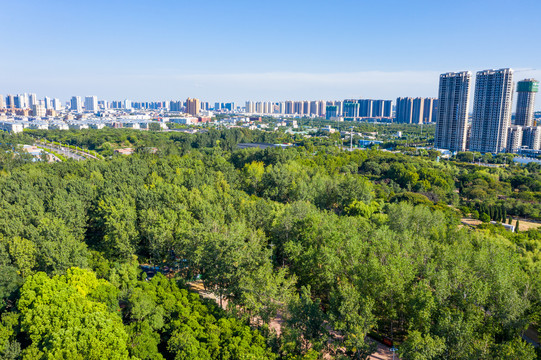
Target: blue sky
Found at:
250, 50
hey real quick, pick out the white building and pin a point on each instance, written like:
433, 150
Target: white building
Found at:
57, 104
91, 104
38, 110
514, 139
76, 104
531, 137
12, 127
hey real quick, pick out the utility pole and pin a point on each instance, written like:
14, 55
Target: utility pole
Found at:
351, 140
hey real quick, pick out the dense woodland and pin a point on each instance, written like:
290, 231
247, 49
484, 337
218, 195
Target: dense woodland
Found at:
340, 246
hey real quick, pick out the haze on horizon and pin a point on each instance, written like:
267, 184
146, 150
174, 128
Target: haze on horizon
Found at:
238, 51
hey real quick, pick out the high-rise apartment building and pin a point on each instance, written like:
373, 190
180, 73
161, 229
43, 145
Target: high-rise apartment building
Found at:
365, 107
47, 102
91, 104
331, 111
404, 110
452, 114
491, 110
21, 101
57, 104
249, 108
290, 107
281, 107
2, 102
514, 139
526, 90
259, 107
430, 106
76, 104
10, 102
193, 106
417, 111
378, 108
32, 100
322, 106
351, 109
314, 108
531, 137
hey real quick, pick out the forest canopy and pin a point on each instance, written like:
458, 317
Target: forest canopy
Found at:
343, 248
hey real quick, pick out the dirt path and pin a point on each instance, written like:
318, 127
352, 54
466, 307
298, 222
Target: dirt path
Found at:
524, 225
383, 352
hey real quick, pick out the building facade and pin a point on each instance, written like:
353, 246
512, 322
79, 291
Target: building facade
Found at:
531, 137
491, 110
91, 103
193, 106
514, 139
76, 104
404, 110
526, 89
452, 112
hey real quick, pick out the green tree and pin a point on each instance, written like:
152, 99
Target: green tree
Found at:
306, 319
61, 321
419, 347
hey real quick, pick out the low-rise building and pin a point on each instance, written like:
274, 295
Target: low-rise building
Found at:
12, 127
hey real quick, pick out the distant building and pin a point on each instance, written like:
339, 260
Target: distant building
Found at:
491, 110
452, 116
331, 111
38, 110
365, 107
430, 106
57, 104
417, 111
21, 101
11, 127
526, 90
47, 102
514, 139
32, 100
2, 102
91, 104
314, 108
193, 106
10, 102
381, 108
351, 109
531, 137
404, 110
76, 104
249, 107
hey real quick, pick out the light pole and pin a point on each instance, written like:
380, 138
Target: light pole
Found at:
393, 350
351, 139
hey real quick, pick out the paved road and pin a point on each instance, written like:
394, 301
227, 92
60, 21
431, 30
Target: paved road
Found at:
67, 152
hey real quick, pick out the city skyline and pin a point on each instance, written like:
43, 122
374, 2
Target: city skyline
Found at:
239, 52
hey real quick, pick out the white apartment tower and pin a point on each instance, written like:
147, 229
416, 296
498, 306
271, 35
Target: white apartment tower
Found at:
491, 110
57, 105
452, 113
91, 104
76, 104
514, 139
249, 107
